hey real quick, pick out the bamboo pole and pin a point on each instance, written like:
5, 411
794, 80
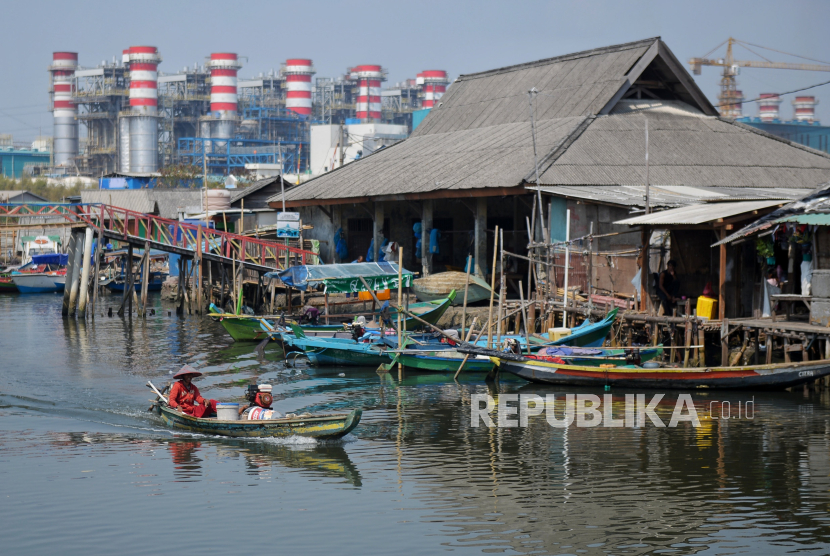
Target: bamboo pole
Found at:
400, 302
466, 289
501, 287
567, 264
96, 269
466, 355
524, 315
492, 291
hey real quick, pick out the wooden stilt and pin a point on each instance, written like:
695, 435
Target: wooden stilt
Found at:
70, 270
271, 287
724, 343
492, 290
770, 342
96, 269
74, 286
145, 277
128, 277
83, 288
197, 260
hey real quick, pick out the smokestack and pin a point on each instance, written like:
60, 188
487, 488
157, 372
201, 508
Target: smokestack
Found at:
297, 73
64, 112
434, 85
144, 61
805, 109
223, 68
368, 99
768, 106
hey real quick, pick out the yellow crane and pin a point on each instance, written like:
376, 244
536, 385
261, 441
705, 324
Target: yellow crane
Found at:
729, 99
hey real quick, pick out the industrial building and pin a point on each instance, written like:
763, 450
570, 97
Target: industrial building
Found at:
803, 128
126, 116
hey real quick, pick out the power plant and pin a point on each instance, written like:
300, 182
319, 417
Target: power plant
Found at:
126, 116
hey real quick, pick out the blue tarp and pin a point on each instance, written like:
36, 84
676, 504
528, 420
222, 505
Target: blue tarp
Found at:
343, 278
50, 258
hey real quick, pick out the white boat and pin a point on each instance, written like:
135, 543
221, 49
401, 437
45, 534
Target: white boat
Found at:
40, 282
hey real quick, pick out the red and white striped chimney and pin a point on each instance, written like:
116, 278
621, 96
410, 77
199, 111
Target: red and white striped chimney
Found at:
805, 109
768, 106
223, 68
64, 112
368, 98
144, 62
297, 73
434, 85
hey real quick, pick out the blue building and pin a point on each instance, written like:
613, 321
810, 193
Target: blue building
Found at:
811, 135
13, 161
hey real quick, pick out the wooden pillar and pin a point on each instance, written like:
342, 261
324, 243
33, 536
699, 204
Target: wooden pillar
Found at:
199, 270
97, 263
480, 240
145, 277
83, 294
223, 283
722, 277
645, 269
271, 287
180, 291
128, 278
426, 227
770, 343
74, 287
70, 270
724, 342
377, 231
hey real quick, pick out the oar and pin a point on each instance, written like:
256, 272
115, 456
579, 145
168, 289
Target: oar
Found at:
159, 394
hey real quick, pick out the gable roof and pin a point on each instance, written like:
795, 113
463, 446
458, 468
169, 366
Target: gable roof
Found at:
11, 195
163, 202
589, 131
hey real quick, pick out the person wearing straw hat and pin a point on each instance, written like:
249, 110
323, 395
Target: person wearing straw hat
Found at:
185, 396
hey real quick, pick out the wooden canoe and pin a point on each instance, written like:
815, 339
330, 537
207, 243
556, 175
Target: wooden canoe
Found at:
438, 286
757, 377
333, 425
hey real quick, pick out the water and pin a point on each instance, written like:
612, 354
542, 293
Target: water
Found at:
84, 468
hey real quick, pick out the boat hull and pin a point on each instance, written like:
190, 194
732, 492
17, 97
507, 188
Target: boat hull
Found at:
39, 283
441, 364
324, 426
759, 377
7, 285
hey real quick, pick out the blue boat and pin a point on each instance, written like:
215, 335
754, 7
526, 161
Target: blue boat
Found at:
587, 334
156, 280
366, 352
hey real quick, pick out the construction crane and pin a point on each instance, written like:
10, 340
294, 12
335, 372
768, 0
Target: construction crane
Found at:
730, 98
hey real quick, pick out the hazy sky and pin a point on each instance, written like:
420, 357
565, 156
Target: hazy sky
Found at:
405, 37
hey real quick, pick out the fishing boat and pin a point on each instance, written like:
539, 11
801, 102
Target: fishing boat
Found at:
753, 377
587, 334
446, 361
246, 328
44, 274
153, 285
333, 425
367, 352
439, 286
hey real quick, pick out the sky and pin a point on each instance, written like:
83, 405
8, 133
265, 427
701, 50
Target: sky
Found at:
405, 37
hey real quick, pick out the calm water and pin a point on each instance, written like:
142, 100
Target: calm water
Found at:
85, 469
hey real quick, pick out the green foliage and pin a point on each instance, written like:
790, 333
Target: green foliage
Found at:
764, 247
40, 187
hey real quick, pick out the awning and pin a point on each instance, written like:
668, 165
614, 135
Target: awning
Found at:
344, 278
50, 258
699, 214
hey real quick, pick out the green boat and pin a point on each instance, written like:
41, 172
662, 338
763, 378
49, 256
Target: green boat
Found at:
248, 328
441, 361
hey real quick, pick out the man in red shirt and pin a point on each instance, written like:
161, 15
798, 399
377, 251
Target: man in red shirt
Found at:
184, 395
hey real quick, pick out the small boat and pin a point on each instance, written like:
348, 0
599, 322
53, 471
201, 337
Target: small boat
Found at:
338, 351
333, 425
446, 361
7, 284
154, 285
439, 286
246, 328
587, 334
755, 377
44, 274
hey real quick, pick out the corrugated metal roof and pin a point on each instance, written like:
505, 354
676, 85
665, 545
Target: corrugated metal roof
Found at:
662, 196
813, 208
480, 137
164, 202
698, 214
686, 148
256, 186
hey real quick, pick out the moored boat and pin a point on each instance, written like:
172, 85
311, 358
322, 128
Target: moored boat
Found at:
7, 284
44, 274
761, 377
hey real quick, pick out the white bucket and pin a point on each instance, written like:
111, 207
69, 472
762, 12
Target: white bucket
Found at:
227, 411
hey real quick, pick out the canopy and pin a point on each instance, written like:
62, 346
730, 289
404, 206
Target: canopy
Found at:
344, 278
50, 258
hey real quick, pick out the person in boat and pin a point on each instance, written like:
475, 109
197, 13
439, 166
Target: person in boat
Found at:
185, 396
668, 287
359, 259
310, 315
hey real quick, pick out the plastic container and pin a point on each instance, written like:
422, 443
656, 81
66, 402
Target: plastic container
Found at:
384, 295
262, 414
555, 334
707, 308
227, 411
